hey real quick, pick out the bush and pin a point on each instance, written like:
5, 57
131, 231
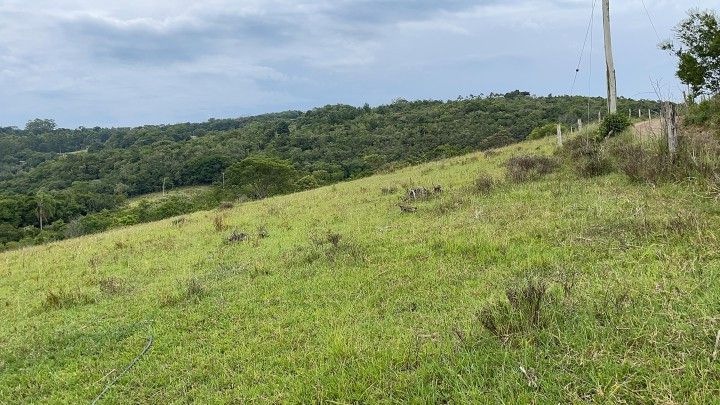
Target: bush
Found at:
545, 131
639, 163
308, 182
225, 205
586, 157
705, 113
613, 125
529, 167
484, 184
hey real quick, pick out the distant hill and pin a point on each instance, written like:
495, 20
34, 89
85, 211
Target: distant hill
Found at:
44, 183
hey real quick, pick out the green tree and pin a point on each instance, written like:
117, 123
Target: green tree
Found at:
306, 183
45, 207
699, 53
40, 126
261, 177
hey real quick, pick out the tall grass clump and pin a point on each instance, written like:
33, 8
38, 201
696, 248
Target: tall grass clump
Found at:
586, 156
529, 167
522, 311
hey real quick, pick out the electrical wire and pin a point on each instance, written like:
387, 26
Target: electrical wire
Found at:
652, 23
588, 33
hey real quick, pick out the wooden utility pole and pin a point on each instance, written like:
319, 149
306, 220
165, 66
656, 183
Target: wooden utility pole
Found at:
609, 61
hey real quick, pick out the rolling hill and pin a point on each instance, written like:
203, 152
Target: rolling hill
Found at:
484, 288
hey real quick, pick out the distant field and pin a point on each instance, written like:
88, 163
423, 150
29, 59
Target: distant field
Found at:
549, 291
180, 191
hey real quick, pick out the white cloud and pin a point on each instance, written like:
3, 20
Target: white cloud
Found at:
86, 62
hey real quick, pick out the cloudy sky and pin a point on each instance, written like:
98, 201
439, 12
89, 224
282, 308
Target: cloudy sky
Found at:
131, 62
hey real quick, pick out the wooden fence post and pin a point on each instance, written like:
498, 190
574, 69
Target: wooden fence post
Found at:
559, 135
671, 127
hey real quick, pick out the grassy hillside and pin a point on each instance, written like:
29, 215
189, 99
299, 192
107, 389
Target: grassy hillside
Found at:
49, 195
554, 290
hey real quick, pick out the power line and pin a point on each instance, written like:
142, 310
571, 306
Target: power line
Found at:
652, 23
588, 33
654, 27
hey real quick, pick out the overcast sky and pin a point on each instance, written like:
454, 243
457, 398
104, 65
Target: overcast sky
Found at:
133, 62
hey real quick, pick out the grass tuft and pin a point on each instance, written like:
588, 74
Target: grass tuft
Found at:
520, 312
529, 167
61, 299
219, 223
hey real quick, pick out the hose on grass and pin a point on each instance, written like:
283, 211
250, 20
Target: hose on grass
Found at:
129, 366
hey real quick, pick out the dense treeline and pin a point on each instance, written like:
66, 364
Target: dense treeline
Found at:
57, 183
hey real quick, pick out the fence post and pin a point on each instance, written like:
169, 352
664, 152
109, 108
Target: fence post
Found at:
671, 127
559, 135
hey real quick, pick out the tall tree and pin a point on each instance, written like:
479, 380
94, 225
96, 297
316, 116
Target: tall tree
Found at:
40, 126
699, 52
44, 207
262, 176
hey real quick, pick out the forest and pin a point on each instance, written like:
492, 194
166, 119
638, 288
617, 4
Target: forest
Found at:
57, 183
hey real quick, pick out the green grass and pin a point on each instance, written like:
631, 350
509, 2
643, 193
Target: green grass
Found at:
346, 299
187, 192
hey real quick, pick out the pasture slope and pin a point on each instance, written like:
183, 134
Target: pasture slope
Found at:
554, 290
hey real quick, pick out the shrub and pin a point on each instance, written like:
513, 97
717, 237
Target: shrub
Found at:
705, 113
529, 167
613, 125
226, 205
586, 157
700, 153
545, 131
308, 182
483, 184
641, 164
